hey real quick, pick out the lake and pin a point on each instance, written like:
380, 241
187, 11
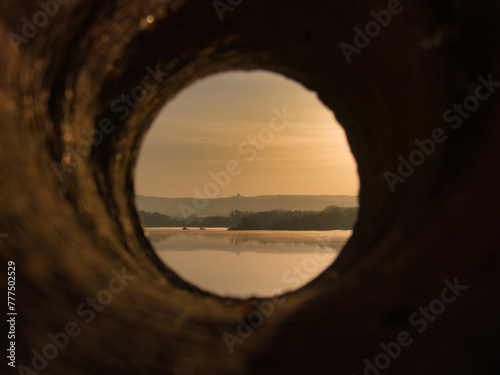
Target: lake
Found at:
247, 263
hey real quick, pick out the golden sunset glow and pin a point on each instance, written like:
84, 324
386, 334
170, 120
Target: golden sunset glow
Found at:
247, 118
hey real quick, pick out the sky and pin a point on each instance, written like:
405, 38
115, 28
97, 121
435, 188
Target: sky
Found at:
249, 133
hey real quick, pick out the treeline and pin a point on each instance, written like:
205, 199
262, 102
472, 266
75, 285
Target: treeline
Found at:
155, 219
330, 218
333, 217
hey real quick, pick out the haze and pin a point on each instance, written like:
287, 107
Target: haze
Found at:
203, 128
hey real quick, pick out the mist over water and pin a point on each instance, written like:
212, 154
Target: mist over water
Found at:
247, 263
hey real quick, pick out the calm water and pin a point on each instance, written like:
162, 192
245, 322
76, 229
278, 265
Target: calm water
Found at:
247, 263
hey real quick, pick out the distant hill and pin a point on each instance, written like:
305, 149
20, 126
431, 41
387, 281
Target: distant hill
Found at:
224, 206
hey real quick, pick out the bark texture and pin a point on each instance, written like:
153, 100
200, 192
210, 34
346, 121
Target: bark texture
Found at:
67, 236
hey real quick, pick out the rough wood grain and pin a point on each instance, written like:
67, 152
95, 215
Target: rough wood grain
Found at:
441, 223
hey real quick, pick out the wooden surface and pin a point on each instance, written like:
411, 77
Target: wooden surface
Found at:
67, 236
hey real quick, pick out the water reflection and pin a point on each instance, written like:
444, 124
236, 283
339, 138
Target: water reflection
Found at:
247, 263
168, 239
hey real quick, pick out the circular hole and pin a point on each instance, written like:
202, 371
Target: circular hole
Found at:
246, 185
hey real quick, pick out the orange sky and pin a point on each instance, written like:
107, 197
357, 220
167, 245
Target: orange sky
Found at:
209, 124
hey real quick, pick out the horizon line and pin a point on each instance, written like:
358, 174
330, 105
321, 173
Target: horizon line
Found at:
257, 196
